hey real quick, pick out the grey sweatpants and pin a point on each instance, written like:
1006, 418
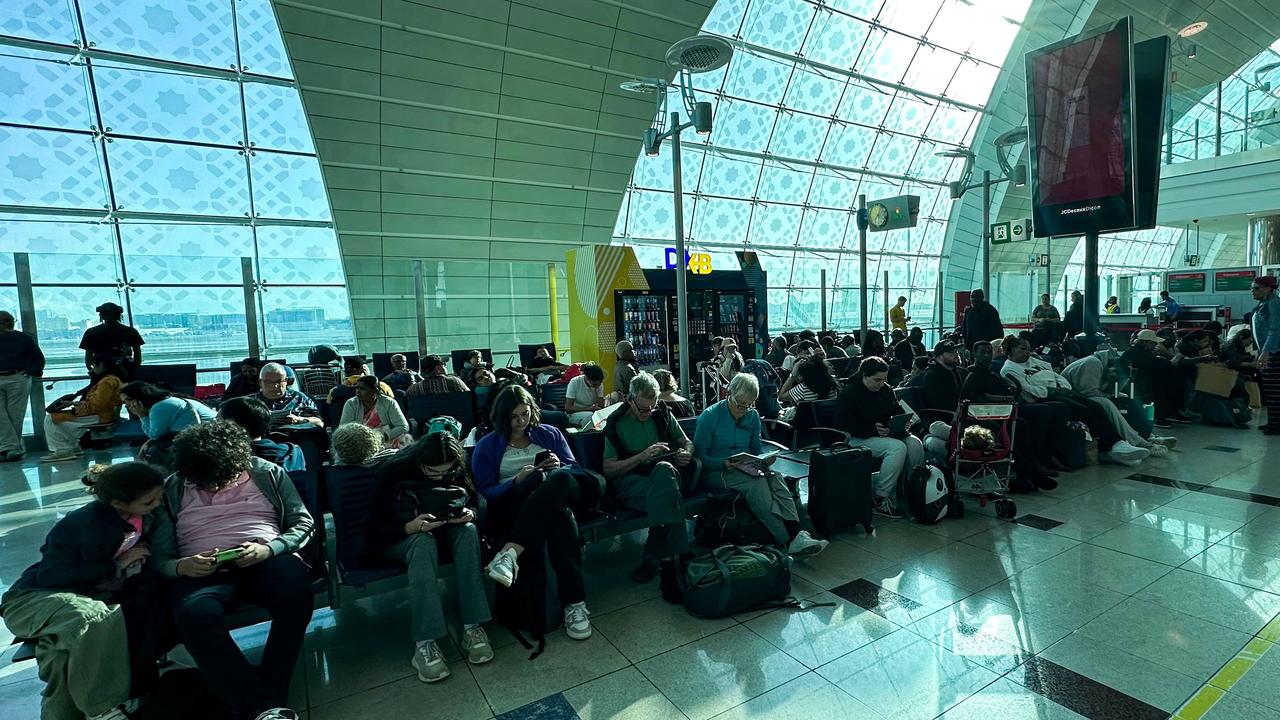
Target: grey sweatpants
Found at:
418, 553
768, 497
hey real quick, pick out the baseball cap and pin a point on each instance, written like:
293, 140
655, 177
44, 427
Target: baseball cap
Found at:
1149, 336
945, 346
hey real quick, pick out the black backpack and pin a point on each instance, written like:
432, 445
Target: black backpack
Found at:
727, 519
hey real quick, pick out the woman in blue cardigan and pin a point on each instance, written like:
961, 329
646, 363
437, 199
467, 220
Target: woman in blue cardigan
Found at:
531, 501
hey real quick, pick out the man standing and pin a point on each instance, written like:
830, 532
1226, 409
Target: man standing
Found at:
981, 320
1075, 314
1266, 333
898, 317
20, 360
645, 454
112, 339
436, 380
1171, 307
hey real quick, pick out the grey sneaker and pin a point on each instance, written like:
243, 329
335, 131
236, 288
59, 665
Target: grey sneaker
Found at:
577, 623
429, 662
804, 544
476, 644
884, 507
503, 567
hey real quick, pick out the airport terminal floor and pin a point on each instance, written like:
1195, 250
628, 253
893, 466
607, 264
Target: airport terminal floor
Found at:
1127, 592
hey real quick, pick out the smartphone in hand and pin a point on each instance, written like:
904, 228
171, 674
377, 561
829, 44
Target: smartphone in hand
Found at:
541, 457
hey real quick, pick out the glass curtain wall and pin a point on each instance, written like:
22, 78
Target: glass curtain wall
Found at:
1249, 112
1127, 253
821, 102
146, 148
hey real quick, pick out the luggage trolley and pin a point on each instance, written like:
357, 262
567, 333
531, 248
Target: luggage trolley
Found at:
985, 473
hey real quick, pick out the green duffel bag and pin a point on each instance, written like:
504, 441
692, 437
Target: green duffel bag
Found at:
737, 578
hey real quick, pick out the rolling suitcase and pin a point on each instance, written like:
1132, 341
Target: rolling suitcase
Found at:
840, 489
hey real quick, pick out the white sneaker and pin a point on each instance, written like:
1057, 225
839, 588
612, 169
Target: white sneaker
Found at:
279, 713
577, 623
1169, 442
1125, 454
1158, 450
476, 644
429, 662
805, 544
115, 713
503, 568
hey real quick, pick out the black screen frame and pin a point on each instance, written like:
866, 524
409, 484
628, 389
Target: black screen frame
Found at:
1106, 213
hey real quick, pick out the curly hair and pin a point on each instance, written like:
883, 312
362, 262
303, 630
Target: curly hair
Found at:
210, 454
126, 481
354, 444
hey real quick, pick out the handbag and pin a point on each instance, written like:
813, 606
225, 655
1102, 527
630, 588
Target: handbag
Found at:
441, 502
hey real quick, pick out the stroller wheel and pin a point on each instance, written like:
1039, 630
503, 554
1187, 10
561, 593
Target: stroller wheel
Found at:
1005, 509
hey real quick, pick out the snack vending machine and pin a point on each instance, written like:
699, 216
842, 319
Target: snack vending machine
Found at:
643, 320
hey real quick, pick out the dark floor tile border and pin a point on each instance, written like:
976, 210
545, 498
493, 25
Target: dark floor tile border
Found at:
552, 707
1082, 694
1038, 522
1222, 448
1206, 489
870, 596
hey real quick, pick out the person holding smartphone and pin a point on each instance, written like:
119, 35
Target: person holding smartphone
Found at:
864, 409
649, 461
407, 525
229, 531
524, 470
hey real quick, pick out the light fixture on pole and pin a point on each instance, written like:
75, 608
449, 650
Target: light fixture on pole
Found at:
1016, 174
692, 55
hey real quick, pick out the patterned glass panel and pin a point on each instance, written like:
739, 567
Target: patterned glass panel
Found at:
197, 32
165, 105
167, 178
288, 186
276, 119
61, 251
44, 89
261, 47
299, 256
185, 253
50, 169
48, 20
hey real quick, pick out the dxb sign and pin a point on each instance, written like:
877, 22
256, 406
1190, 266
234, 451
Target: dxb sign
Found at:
697, 263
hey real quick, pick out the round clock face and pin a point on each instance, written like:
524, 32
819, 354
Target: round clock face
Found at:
878, 215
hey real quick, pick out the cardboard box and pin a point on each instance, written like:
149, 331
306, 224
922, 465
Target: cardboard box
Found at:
1215, 379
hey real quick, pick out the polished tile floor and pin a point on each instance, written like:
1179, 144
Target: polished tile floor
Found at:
1126, 593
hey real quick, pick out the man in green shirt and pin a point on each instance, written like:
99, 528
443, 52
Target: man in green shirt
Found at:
646, 455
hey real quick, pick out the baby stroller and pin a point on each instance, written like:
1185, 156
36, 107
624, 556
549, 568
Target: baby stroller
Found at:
985, 473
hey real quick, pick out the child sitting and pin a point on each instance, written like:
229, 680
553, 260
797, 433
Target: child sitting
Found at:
84, 602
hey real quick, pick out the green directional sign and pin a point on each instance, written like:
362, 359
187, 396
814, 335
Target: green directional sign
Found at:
1000, 233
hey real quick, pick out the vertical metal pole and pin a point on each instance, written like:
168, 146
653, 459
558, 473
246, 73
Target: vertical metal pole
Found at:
1244, 132
682, 266
1048, 267
862, 269
887, 329
1090, 282
823, 298
552, 302
1217, 126
27, 314
250, 307
986, 232
420, 305
938, 300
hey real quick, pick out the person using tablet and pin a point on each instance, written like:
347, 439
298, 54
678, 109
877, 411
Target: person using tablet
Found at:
648, 460
866, 409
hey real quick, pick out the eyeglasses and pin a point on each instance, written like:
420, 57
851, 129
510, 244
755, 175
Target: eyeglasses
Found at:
277, 383
740, 406
642, 409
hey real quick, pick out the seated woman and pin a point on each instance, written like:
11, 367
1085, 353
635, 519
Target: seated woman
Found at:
679, 406
356, 444
409, 517
246, 381
523, 469
376, 410
163, 415
731, 427
863, 410
87, 601
228, 532
810, 380
250, 414
66, 420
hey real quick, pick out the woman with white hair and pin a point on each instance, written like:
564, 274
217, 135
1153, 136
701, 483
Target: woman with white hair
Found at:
731, 427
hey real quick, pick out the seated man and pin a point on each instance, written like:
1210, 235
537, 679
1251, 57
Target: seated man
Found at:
1039, 383
435, 379
287, 406
543, 363
401, 377
940, 389
1157, 379
1089, 376
584, 396
250, 414
730, 427
645, 453
221, 498
354, 368
246, 381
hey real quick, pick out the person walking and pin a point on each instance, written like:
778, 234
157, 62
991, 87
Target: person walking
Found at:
20, 360
1266, 333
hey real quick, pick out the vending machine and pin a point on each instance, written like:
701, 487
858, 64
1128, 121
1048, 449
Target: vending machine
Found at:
643, 320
